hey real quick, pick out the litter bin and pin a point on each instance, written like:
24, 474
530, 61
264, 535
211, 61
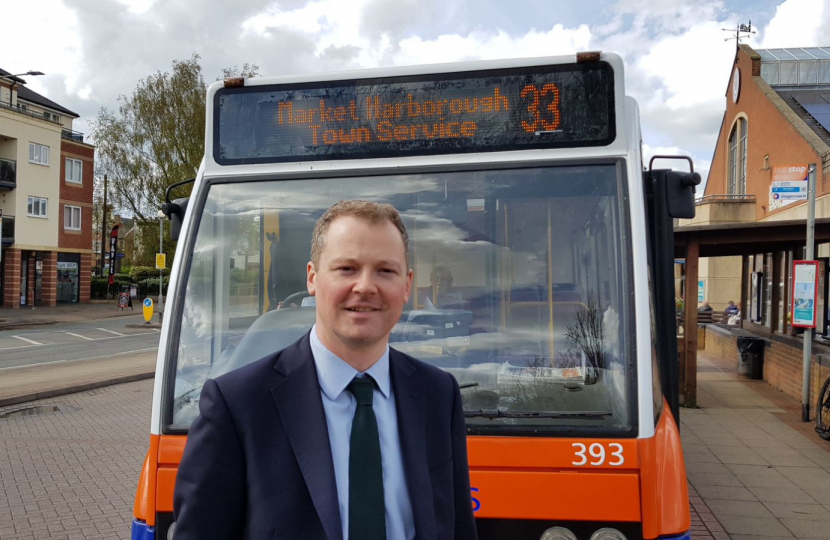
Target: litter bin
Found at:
751, 359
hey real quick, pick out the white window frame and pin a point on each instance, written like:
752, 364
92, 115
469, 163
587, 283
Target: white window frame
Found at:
42, 207
73, 165
69, 212
38, 153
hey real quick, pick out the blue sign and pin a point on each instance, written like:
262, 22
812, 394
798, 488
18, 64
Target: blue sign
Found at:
148, 302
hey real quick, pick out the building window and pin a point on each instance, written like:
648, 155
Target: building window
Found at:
732, 174
74, 170
742, 168
37, 207
72, 218
736, 175
38, 153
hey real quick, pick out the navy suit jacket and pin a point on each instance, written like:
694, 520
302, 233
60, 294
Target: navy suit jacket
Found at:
258, 463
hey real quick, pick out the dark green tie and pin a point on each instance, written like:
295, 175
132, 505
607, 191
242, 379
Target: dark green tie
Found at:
367, 512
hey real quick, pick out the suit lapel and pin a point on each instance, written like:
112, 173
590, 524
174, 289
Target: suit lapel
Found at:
409, 403
300, 408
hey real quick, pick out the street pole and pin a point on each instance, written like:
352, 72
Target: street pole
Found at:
808, 332
161, 271
103, 225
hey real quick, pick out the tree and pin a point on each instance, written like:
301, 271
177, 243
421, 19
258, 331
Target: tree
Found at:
156, 137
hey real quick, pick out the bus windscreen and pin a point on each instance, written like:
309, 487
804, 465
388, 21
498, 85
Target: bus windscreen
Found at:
556, 106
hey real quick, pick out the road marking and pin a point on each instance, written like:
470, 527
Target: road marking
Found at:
111, 331
124, 353
80, 336
27, 340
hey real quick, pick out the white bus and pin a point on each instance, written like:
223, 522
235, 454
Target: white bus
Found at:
542, 256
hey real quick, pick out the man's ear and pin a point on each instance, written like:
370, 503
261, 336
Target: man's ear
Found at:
409, 277
311, 274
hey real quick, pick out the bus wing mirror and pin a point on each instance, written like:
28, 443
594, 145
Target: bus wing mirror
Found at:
174, 211
680, 193
678, 187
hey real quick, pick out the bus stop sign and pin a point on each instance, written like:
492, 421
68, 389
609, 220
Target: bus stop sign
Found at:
148, 309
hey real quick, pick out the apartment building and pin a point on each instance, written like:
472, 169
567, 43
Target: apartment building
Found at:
46, 186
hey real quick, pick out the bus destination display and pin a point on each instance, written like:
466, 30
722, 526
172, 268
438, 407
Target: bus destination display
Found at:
510, 109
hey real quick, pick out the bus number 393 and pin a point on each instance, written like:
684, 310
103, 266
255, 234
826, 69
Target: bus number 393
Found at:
599, 454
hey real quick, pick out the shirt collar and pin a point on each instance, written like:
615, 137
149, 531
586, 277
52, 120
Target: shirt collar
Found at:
335, 374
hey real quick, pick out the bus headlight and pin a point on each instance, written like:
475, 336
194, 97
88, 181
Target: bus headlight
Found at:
558, 533
608, 534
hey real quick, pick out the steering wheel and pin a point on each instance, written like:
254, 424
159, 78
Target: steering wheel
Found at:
296, 298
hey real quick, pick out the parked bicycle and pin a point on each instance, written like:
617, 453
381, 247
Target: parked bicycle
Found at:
823, 411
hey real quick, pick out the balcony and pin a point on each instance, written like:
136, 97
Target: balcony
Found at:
70, 135
22, 109
722, 208
8, 174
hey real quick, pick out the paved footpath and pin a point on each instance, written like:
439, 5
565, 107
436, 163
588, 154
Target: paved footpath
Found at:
755, 470
71, 462
71, 473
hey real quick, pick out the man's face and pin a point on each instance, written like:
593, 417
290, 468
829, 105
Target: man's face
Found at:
361, 283
442, 279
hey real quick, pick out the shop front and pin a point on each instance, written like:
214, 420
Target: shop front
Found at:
69, 283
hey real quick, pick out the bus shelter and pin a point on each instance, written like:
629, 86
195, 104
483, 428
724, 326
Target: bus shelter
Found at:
779, 242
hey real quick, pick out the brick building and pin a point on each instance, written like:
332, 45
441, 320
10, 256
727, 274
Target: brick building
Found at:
776, 123
767, 137
46, 183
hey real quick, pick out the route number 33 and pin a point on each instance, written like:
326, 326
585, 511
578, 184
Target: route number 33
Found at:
598, 454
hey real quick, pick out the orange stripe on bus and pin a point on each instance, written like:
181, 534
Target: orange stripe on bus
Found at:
165, 484
663, 481
171, 448
547, 453
145, 496
564, 496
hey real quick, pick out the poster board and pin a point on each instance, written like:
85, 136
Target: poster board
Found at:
805, 293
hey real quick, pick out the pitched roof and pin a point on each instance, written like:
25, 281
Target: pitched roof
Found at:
33, 97
800, 77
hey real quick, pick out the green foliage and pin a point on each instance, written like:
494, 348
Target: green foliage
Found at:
140, 273
156, 137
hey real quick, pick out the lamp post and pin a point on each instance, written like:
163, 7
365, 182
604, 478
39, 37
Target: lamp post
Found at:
161, 271
30, 73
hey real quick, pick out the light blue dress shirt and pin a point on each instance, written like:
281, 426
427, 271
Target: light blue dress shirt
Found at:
334, 375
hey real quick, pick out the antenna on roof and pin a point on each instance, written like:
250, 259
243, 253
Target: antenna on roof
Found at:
741, 29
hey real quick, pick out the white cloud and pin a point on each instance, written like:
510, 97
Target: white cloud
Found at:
677, 62
797, 23
492, 45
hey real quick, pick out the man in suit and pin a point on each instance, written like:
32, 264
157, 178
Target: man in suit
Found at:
337, 437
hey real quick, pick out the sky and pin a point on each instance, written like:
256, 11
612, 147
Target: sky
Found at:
676, 55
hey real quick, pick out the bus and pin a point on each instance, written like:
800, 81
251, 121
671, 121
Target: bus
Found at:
542, 255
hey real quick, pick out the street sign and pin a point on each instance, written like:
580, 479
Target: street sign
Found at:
805, 293
148, 309
161, 261
789, 191
789, 185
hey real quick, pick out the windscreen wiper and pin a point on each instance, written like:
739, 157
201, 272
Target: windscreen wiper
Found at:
499, 413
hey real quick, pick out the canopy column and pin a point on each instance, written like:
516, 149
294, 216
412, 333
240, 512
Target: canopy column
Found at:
689, 390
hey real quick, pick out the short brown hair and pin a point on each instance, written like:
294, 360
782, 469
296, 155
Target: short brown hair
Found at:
375, 213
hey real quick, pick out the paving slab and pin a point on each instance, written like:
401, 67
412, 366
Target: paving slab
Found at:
800, 511
761, 472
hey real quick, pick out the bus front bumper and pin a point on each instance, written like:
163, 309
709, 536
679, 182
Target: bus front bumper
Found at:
142, 531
